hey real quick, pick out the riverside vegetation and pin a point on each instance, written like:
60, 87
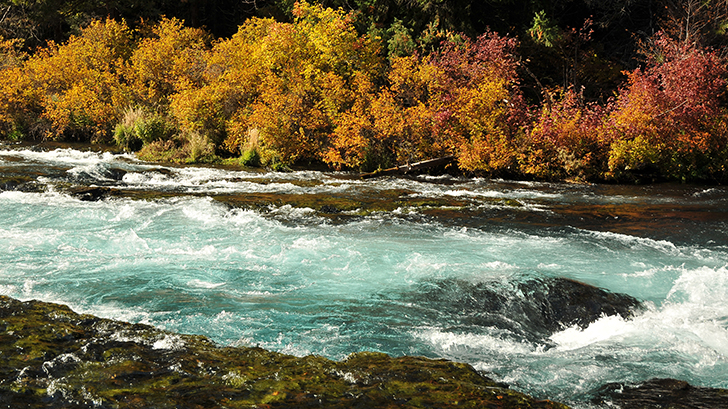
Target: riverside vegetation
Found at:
324, 88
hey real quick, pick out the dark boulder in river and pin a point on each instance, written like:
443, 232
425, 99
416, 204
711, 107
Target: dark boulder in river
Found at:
661, 394
51, 357
90, 193
533, 309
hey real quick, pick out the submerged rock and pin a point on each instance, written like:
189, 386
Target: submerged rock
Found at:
533, 309
51, 357
661, 394
91, 193
20, 184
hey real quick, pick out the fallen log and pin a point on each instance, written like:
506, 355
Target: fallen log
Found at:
405, 169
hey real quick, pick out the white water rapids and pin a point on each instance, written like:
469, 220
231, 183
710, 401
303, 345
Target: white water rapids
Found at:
291, 279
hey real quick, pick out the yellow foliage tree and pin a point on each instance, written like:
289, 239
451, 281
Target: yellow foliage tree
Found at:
172, 58
389, 126
478, 114
297, 80
76, 86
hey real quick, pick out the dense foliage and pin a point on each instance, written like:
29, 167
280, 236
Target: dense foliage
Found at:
366, 90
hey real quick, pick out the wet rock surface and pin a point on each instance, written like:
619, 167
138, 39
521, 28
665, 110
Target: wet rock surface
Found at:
51, 357
91, 194
533, 309
661, 394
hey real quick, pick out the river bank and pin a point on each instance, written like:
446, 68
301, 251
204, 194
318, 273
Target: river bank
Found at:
53, 357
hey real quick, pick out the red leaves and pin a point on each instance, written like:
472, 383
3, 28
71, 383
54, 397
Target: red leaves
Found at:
672, 106
316, 89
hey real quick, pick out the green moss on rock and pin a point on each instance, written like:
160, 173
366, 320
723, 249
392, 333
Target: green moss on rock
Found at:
53, 357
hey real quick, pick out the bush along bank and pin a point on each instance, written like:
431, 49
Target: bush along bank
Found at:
316, 89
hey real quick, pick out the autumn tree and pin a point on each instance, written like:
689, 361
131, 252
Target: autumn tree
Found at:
170, 58
482, 105
391, 125
461, 100
73, 90
566, 140
670, 119
305, 74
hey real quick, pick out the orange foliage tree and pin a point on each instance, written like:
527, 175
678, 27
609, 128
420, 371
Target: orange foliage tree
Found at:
73, 90
387, 126
16, 107
169, 59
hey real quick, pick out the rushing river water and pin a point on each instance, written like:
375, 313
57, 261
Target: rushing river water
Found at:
320, 263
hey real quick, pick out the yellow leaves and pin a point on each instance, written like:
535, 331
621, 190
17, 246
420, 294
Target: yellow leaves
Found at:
349, 141
74, 88
10, 54
174, 58
480, 109
198, 110
392, 124
409, 79
487, 152
295, 80
478, 125
313, 89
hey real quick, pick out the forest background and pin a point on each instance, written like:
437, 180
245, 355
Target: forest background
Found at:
586, 90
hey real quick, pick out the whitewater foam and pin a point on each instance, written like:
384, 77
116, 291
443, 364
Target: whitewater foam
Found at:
289, 279
69, 156
691, 321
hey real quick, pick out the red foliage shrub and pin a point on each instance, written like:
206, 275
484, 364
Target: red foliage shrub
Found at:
480, 104
565, 140
669, 119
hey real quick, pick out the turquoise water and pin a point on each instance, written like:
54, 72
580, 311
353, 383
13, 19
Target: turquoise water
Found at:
292, 280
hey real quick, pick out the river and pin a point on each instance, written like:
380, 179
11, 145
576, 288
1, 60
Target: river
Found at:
324, 263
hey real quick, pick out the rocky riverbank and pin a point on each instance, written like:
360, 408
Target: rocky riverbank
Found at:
51, 357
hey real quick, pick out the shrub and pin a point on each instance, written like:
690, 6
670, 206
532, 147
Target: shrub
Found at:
304, 73
197, 148
161, 151
250, 157
565, 140
481, 104
21, 103
388, 126
71, 90
171, 58
138, 128
668, 118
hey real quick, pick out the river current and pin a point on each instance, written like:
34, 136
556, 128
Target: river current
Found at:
286, 262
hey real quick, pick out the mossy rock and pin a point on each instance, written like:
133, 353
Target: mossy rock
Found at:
51, 357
